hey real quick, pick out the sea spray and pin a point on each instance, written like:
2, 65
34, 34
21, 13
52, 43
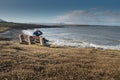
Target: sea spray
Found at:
28, 32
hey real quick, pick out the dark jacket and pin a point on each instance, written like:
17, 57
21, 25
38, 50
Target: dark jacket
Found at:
37, 33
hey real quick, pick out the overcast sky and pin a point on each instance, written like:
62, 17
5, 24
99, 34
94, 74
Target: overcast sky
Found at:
61, 11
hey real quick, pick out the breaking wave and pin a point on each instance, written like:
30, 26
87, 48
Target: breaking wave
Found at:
28, 32
82, 44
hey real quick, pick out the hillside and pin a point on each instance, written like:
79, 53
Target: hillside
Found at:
23, 62
2, 20
8, 25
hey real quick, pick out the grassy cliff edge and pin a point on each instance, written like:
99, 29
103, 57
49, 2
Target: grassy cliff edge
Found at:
24, 62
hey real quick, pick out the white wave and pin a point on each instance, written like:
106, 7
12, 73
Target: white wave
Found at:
28, 32
69, 43
115, 47
83, 44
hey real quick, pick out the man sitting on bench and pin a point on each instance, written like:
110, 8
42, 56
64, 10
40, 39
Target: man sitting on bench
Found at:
37, 33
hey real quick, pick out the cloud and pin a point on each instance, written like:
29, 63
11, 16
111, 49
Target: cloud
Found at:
90, 17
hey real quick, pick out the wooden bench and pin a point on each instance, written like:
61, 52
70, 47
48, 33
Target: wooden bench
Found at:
32, 39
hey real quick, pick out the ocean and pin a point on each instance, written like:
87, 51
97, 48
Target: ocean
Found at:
106, 37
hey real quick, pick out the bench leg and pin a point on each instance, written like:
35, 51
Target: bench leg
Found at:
20, 38
42, 41
29, 40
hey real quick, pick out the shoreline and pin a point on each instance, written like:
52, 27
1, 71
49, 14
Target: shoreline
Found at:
57, 46
98, 48
3, 38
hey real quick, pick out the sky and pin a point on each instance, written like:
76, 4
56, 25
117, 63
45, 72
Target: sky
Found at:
105, 12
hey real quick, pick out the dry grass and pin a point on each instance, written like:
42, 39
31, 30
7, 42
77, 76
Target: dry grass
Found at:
24, 62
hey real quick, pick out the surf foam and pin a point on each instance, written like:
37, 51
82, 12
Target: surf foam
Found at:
85, 44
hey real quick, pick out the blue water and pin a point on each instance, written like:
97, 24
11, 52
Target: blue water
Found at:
107, 37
